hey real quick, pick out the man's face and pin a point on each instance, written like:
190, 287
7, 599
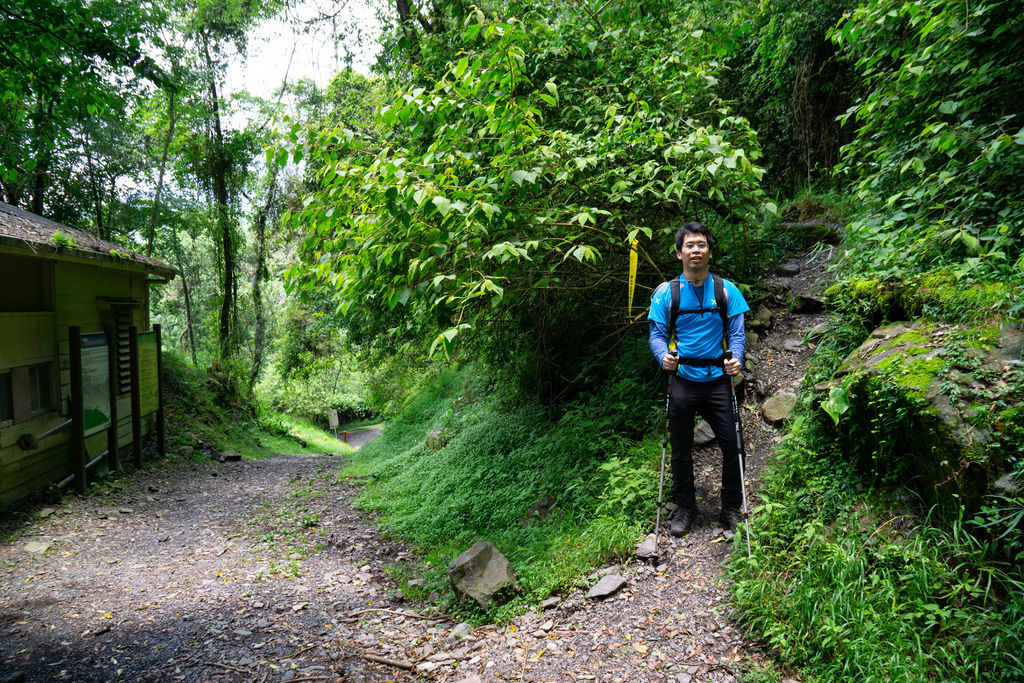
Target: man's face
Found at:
695, 252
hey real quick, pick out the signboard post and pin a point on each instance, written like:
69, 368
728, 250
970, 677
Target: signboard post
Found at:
133, 361
161, 446
113, 459
332, 417
95, 361
77, 417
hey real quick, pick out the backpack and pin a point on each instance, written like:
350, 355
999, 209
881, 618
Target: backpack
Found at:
721, 307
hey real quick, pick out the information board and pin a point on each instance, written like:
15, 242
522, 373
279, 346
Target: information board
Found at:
95, 383
148, 381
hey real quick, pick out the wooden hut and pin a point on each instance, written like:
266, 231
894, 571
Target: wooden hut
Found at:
53, 277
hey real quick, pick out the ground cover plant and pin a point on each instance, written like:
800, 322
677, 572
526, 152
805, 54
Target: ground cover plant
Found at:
557, 493
840, 567
848, 555
215, 412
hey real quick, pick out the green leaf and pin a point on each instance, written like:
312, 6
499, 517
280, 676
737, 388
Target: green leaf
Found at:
519, 176
837, 403
553, 89
460, 67
443, 204
489, 209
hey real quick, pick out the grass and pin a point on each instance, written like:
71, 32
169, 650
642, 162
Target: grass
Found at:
531, 483
360, 424
848, 590
211, 407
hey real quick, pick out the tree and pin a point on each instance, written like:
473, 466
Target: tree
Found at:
61, 63
938, 157
500, 205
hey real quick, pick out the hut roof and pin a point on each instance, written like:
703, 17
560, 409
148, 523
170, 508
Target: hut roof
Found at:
26, 231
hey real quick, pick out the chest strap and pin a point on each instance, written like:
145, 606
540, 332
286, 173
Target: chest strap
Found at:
703, 362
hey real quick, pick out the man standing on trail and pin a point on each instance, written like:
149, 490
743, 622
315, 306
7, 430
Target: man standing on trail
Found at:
700, 374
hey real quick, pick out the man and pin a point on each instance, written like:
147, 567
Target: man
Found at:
700, 376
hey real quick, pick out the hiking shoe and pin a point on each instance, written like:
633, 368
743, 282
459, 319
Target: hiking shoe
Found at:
681, 521
730, 519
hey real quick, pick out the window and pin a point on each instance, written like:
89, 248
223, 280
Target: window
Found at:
30, 391
6, 404
40, 383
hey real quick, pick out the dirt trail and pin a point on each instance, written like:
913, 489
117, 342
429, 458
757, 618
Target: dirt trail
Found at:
195, 571
263, 571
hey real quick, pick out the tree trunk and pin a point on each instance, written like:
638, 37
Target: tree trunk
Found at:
185, 292
218, 174
259, 333
408, 28
97, 196
43, 155
151, 235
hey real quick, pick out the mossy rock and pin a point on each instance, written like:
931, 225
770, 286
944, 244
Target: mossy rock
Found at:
938, 294
933, 406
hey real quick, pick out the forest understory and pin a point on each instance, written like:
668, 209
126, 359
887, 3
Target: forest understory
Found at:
263, 570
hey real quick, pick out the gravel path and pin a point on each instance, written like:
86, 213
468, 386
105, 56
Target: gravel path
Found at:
187, 571
263, 571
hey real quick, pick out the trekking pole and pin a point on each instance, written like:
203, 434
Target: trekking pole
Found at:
740, 451
664, 447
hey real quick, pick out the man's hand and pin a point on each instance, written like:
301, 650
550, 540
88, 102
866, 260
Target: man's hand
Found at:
732, 366
670, 362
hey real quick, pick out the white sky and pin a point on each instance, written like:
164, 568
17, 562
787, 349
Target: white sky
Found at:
280, 48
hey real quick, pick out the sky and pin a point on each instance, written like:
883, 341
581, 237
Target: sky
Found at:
279, 49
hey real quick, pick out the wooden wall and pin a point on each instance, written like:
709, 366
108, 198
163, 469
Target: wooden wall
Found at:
77, 295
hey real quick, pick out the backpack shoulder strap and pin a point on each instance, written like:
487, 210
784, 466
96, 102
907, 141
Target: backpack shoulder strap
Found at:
722, 299
673, 309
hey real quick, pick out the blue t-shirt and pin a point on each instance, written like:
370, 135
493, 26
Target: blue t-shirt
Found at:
698, 335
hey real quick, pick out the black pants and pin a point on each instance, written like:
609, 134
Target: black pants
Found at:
713, 402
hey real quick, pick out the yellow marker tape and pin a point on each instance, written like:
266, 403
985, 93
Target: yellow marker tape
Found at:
633, 255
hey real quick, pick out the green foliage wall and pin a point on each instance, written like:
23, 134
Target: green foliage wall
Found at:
499, 204
789, 80
939, 152
555, 491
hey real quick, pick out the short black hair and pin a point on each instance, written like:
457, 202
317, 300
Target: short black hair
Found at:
693, 228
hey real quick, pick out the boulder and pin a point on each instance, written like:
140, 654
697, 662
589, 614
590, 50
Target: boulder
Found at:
788, 268
929, 405
647, 548
551, 602
793, 345
437, 439
608, 585
482, 574
702, 434
461, 631
817, 332
38, 547
779, 406
810, 232
807, 303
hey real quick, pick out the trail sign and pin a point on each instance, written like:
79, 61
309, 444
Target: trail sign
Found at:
148, 380
95, 383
